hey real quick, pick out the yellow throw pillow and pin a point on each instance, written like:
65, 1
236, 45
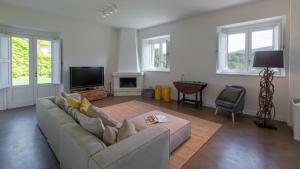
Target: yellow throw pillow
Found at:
73, 102
85, 104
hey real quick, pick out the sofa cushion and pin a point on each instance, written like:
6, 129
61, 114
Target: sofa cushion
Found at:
127, 129
93, 125
42, 107
55, 118
226, 104
110, 135
94, 111
47, 103
61, 102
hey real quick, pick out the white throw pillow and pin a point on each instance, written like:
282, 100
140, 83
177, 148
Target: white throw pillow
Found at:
110, 135
93, 125
74, 95
94, 111
127, 129
74, 113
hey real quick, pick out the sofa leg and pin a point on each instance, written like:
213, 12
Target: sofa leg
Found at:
216, 112
232, 116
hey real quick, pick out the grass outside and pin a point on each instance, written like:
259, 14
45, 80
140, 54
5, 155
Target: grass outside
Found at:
24, 80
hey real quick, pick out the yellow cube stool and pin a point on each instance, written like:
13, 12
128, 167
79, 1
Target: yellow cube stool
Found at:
157, 92
167, 93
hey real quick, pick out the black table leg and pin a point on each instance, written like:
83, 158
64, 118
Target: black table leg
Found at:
178, 96
201, 98
196, 100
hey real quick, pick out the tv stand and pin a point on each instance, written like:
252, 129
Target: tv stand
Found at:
90, 88
92, 94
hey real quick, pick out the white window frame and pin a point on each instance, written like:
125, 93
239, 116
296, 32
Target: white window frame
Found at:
148, 60
276, 24
56, 61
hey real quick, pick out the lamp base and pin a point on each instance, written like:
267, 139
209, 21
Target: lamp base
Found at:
263, 124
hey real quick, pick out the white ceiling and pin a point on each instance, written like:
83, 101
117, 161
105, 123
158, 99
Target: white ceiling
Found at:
132, 13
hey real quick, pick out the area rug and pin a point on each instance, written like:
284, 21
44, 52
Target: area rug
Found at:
201, 132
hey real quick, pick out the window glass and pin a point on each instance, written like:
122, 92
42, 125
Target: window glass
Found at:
261, 41
164, 60
156, 55
236, 51
20, 61
44, 62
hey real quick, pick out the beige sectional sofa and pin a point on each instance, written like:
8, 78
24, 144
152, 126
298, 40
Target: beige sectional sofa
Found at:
76, 148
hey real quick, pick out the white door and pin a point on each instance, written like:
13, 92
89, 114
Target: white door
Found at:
21, 92
31, 71
44, 68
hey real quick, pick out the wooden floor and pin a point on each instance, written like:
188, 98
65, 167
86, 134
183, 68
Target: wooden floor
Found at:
239, 146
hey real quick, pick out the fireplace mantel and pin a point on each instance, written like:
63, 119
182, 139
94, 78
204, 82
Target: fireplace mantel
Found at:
128, 91
128, 74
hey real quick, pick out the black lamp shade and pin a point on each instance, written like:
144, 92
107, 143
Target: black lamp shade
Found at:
272, 59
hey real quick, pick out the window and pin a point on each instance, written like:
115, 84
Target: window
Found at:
156, 54
239, 42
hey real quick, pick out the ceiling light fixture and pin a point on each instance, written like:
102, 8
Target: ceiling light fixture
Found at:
109, 9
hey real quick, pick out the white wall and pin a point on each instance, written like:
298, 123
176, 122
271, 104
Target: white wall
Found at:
295, 51
84, 43
193, 52
128, 52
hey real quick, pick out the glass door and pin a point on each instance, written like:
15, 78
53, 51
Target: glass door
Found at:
21, 93
31, 71
44, 68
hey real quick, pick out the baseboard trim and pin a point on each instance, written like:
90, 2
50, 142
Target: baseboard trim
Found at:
297, 137
246, 111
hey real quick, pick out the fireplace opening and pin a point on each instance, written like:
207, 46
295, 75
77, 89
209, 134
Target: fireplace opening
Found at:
128, 82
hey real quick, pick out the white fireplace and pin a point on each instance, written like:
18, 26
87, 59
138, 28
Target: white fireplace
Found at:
128, 84
128, 80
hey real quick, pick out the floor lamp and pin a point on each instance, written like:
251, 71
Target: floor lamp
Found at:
267, 60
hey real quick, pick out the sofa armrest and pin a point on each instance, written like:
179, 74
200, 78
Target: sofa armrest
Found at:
147, 149
42, 107
77, 146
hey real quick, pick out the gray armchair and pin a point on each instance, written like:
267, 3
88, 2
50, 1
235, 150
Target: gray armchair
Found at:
231, 99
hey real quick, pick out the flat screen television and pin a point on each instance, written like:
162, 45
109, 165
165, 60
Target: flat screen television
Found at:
86, 77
